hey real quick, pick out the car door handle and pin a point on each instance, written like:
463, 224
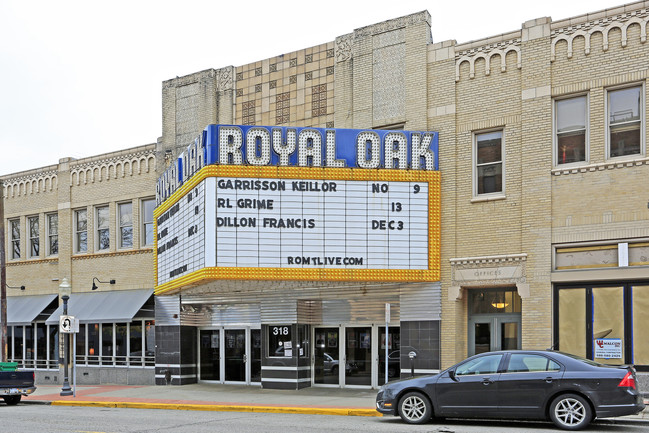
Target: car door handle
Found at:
487, 381
548, 379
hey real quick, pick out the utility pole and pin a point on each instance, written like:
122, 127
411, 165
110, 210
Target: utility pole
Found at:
3, 278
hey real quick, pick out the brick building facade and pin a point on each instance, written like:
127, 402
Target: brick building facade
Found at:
543, 155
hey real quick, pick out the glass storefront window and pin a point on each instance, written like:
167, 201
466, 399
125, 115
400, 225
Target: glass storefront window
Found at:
135, 344
107, 344
603, 322
608, 325
121, 332
53, 331
149, 337
41, 345
572, 323
29, 346
640, 293
10, 343
93, 343
81, 345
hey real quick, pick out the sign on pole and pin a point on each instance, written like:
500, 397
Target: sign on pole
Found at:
68, 325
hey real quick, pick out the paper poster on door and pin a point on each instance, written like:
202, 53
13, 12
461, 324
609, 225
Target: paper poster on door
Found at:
383, 341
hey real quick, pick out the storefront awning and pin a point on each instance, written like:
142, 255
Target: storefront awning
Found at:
103, 307
22, 310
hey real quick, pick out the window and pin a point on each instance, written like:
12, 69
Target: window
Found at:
520, 363
603, 322
125, 225
81, 230
120, 343
147, 221
103, 230
625, 121
279, 340
15, 238
34, 244
489, 164
487, 364
52, 234
571, 131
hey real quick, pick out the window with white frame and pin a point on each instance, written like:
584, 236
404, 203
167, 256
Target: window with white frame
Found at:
34, 236
52, 234
571, 132
117, 344
81, 230
488, 159
125, 217
147, 221
625, 121
15, 238
102, 219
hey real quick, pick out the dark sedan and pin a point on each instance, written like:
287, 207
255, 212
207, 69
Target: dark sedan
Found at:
569, 390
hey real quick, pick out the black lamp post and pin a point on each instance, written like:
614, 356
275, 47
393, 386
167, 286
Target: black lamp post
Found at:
65, 290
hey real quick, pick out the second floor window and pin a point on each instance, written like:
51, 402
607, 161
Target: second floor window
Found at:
81, 230
147, 221
52, 234
489, 162
15, 238
103, 228
34, 238
625, 121
570, 121
125, 225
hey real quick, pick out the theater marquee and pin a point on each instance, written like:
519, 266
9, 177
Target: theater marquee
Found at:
299, 223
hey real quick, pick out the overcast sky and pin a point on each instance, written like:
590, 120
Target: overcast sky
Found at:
79, 78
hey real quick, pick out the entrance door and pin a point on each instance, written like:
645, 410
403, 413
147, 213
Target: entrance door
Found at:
487, 334
326, 356
230, 355
235, 355
494, 320
210, 354
358, 356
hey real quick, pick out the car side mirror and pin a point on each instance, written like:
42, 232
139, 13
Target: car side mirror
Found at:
451, 374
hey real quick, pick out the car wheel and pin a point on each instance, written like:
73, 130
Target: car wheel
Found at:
570, 412
414, 408
12, 400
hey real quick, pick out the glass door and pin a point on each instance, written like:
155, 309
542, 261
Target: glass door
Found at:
326, 359
393, 343
487, 334
358, 356
210, 357
235, 355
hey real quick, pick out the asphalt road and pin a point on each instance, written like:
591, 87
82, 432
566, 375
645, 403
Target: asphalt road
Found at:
29, 418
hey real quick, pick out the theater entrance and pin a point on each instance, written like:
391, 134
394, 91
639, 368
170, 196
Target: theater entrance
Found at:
230, 355
354, 356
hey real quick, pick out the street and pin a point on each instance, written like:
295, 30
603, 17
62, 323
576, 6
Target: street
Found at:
30, 418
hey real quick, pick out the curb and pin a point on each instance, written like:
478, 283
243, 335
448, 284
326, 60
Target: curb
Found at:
223, 408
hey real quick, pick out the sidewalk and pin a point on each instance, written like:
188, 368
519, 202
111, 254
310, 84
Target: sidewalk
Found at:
230, 398
212, 397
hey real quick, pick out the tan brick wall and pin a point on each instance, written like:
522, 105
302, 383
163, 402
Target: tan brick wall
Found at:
544, 205
108, 179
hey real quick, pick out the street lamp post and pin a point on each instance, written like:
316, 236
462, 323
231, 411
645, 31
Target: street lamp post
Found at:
65, 290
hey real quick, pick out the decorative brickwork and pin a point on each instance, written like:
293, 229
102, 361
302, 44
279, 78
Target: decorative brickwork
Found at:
283, 108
